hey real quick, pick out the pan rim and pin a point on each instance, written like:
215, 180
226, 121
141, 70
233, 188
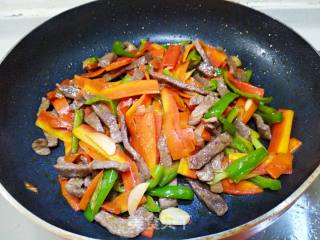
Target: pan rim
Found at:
260, 222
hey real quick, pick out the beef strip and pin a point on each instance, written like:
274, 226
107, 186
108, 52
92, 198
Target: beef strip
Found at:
240, 74
222, 88
205, 67
69, 91
169, 202
242, 129
137, 74
195, 100
142, 166
108, 119
165, 157
202, 108
93, 120
202, 80
213, 201
232, 65
74, 186
44, 105
40, 147
198, 135
177, 83
137, 63
87, 181
52, 141
113, 75
77, 103
70, 170
214, 147
125, 227
263, 129
216, 188
207, 172
103, 164
107, 59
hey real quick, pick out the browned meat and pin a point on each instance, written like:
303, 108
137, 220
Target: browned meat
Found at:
240, 74
177, 83
214, 147
109, 120
207, 172
44, 105
222, 88
198, 135
203, 81
263, 129
40, 147
137, 63
77, 103
52, 141
125, 227
196, 100
213, 201
74, 186
137, 74
93, 121
107, 59
205, 67
201, 109
142, 166
70, 170
216, 188
165, 157
232, 64
108, 164
69, 91
113, 75
242, 129
87, 181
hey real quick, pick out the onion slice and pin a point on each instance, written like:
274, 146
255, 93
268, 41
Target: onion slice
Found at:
135, 196
174, 216
104, 142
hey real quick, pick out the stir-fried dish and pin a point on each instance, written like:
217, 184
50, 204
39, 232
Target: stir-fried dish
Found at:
147, 126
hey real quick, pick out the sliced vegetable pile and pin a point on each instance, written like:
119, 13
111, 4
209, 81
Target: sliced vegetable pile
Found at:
140, 117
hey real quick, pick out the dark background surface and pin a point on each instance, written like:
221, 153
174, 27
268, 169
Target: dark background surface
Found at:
282, 62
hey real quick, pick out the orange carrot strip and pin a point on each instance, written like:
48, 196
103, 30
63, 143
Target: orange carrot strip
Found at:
121, 62
94, 73
187, 49
89, 191
294, 144
149, 231
242, 188
280, 164
61, 105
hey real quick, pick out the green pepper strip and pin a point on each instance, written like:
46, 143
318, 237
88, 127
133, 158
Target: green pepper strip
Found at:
194, 58
241, 144
228, 151
255, 140
176, 192
227, 126
265, 182
233, 114
100, 194
218, 108
156, 173
169, 174
151, 205
265, 109
78, 119
118, 49
248, 75
219, 72
271, 118
212, 86
118, 187
241, 167
244, 94
112, 104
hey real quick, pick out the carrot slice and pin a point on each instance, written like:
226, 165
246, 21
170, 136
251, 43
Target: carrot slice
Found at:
72, 200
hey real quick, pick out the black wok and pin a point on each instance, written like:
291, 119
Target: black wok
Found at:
282, 61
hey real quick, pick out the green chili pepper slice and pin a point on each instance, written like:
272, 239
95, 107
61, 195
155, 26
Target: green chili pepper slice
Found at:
265, 182
241, 167
176, 192
90, 61
157, 174
227, 126
212, 86
151, 205
247, 95
218, 108
233, 114
78, 119
248, 75
100, 194
194, 58
169, 174
271, 118
118, 49
241, 144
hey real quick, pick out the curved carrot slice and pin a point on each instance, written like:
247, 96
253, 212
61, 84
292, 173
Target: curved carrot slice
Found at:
241, 188
89, 191
93, 74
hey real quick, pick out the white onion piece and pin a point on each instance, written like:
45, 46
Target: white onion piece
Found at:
135, 196
104, 142
174, 216
248, 104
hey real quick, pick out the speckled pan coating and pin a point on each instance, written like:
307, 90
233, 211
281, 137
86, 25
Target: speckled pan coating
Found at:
282, 62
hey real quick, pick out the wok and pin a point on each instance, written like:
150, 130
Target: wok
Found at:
283, 63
